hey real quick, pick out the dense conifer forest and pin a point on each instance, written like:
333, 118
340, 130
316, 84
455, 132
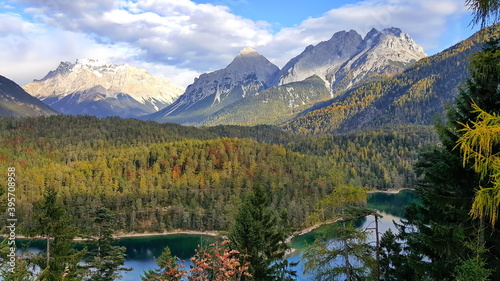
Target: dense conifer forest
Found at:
160, 177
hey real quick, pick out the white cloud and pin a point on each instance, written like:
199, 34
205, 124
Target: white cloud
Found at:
182, 39
425, 20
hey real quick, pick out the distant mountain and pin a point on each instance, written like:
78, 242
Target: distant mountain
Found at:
347, 59
416, 96
248, 74
101, 89
251, 90
15, 102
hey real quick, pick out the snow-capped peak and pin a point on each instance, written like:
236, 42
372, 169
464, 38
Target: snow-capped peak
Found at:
92, 78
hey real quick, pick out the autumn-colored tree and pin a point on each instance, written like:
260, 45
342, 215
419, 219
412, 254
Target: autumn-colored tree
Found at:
218, 262
476, 144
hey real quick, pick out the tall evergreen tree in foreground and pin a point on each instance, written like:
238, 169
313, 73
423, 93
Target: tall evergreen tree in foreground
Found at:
59, 259
259, 235
438, 230
105, 260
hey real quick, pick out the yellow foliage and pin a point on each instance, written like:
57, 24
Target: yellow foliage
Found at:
476, 144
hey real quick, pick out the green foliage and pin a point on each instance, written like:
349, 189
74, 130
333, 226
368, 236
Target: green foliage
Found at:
258, 234
168, 268
157, 177
379, 159
153, 185
349, 257
52, 223
474, 268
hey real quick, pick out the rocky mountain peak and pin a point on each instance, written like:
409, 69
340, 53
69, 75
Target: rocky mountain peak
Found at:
248, 73
119, 87
322, 59
346, 55
248, 52
392, 30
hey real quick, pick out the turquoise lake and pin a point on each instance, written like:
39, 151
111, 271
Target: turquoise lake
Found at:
142, 251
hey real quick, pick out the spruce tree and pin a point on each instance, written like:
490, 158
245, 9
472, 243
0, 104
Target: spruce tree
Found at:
59, 259
105, 259
168, 268
259, 235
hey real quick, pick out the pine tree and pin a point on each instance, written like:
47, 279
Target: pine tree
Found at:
59, 258
258, 234
106, 260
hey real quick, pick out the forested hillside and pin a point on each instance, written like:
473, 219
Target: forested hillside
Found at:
159, 177
417, 96
274, 105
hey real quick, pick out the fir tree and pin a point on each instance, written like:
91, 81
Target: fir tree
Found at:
257, 233
168, 268
106, 260
59, 259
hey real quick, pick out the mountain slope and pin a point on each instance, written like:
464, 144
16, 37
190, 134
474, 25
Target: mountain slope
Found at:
274, 105
96, 88
15, 102
245, 76
414, 97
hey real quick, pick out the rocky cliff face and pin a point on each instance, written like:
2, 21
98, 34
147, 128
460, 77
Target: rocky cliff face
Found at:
245, 76
96, 88
325, 58
347, 58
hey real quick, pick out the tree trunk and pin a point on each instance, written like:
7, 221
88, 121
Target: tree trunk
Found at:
48, 251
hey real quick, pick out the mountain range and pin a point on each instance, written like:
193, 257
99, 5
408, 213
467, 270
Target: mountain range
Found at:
417, 96
248, 74
97, 88
258, 92
345, 83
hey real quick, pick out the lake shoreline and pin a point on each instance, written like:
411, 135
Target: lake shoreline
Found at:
316, 226
390, 191
288, 240
167, 233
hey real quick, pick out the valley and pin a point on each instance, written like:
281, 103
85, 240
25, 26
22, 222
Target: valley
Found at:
256, 153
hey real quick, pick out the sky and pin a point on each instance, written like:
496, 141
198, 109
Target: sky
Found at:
182, 39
